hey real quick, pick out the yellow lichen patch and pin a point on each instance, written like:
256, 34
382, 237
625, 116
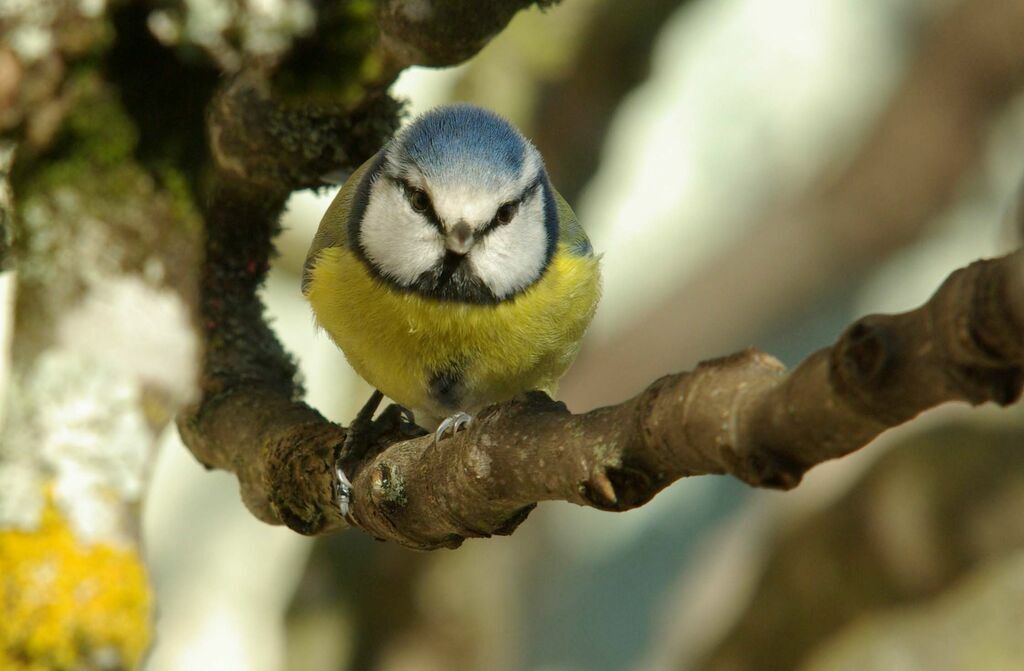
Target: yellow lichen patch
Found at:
65, 605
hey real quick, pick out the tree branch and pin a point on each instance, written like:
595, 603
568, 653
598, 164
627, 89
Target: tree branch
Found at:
441, 33
251, 392
742, 415
275, 126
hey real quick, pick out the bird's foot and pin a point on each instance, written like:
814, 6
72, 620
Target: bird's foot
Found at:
395, 423
407, 415
455, 423
343, 490
357, 441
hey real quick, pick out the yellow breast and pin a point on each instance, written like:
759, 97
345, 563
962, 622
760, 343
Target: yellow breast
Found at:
399, 341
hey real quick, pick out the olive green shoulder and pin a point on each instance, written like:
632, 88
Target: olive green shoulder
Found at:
333, 231
570, 233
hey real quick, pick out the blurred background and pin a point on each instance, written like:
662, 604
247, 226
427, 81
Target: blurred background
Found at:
755, 174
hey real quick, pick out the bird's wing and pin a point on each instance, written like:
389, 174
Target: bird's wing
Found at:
570, 233
334, 227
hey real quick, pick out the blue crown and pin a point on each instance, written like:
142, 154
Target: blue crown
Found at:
459, 142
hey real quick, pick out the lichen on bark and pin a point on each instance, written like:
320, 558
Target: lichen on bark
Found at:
104, 250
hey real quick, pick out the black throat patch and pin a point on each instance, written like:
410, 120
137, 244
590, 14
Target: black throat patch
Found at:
452, 280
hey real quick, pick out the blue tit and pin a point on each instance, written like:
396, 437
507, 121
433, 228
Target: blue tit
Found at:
449, 270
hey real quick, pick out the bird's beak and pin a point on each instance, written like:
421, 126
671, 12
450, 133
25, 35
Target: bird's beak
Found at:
459, 239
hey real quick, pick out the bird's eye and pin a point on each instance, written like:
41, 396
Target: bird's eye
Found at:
506, 212
419, 200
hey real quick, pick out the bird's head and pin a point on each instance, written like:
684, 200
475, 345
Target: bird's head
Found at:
459, 208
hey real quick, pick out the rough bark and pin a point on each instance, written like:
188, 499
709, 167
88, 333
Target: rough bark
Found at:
743, 415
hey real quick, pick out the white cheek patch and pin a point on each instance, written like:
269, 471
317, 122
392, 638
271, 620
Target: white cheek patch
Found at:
399, 242
511, 257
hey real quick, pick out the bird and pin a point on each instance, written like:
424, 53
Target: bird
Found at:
450, 272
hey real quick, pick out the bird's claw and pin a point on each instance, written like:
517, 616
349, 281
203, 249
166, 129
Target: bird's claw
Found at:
455, 423
407, 415
354, 446
343, 488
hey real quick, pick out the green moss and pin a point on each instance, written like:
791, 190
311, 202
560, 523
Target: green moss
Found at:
335, 65
95, 154
104, 132
97, 136
183, 206
364, 10
92, 174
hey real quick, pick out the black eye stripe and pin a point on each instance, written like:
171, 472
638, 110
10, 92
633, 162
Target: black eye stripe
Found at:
409, 190
431, 215
526, 193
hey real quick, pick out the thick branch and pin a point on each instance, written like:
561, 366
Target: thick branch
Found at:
743, 415
441, 33
250, 388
